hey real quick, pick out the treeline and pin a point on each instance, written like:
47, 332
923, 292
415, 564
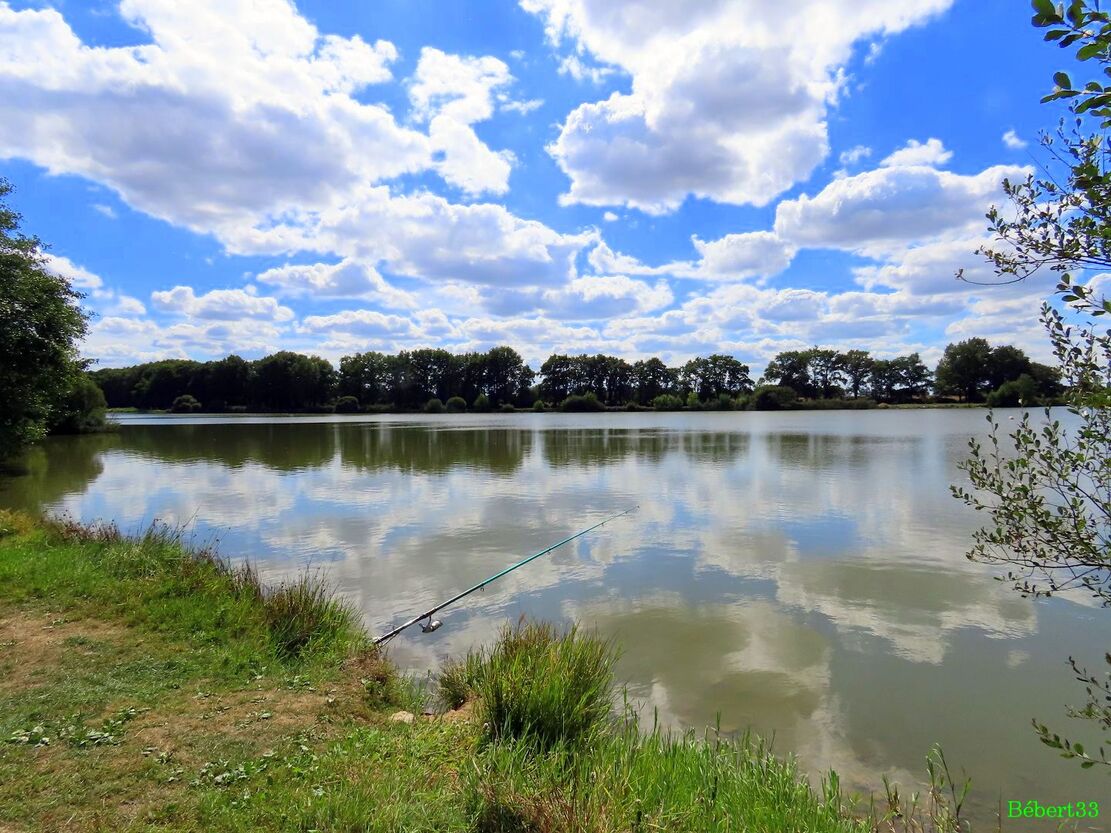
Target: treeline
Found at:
413, 379
970, 371
434, 379
287, 381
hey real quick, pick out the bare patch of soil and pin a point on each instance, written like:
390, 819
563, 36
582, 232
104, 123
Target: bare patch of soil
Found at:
32, 644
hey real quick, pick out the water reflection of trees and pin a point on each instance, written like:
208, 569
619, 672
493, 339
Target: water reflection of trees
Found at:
608, 446
290, 446
821, 451
58, 467
285, 446
420, 450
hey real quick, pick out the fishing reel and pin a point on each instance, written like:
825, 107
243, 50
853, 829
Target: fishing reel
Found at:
430, 625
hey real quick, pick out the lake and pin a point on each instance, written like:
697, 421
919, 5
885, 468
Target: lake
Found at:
801, 573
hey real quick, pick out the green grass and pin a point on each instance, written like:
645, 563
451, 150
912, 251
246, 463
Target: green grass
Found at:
147, 686
190, 594
544, 686
636, 782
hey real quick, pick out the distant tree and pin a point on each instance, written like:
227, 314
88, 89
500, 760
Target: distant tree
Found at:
716, 375
118, 384
652, 378
558, 377
365, 376
826, 369
40, 326
618, 384
1047, 379
790, 369
507, 375
431, 373
223, 383
914, 378
964, 369
857, 367
1005, 364
291, 381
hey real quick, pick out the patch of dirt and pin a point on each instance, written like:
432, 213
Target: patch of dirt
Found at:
32, 644
459, 715
188, 728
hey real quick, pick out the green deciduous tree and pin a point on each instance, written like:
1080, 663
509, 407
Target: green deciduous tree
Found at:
1049, 500
964, 369
790, 369
81, 410
857, 366
714, 376
40, 326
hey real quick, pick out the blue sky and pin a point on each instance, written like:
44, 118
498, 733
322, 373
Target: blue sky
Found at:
641, 178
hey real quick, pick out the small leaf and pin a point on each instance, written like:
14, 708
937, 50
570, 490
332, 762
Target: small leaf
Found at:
1062, 80
1044, 7
1076, 12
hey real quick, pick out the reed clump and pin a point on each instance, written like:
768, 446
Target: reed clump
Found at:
539, 684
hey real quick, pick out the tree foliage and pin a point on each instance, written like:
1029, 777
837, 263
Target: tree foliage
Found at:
1049, 495
40, 326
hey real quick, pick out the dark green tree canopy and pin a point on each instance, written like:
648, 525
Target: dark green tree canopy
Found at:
41, 324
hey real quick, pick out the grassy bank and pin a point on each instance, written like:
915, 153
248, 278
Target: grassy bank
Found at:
144, 686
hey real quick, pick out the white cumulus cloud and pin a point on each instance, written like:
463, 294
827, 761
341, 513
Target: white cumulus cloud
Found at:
728, 98
219, 305
931, 152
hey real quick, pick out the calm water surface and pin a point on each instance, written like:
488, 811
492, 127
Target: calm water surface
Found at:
799, 573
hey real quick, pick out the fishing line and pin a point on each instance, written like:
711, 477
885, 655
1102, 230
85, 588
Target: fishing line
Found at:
434, 624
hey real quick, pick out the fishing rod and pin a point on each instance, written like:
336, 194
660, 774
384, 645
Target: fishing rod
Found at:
434, 624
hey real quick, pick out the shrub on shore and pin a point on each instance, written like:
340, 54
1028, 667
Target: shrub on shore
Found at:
434, 406
185, 404
667, 402
773, 398
347, 405
578, 403
481, 403
456, 405
1013, 394
860, 404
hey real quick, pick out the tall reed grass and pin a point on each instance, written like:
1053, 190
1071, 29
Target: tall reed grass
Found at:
538, 684
299, 616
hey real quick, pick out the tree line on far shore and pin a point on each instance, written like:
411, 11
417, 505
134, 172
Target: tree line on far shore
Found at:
436, 380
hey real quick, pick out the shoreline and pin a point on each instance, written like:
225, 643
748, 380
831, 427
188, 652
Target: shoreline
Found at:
148, 685
506, 411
